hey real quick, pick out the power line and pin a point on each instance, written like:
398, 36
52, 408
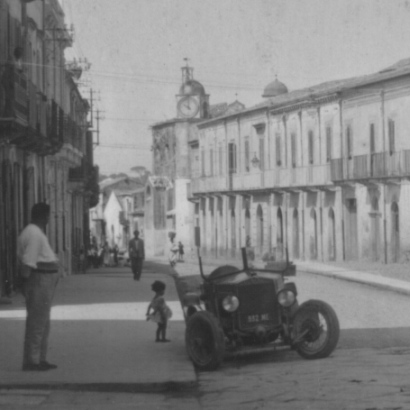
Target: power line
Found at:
132, 119
125, 146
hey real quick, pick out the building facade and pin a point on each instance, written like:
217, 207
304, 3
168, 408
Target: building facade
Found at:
119, 211
321, 172
45, 149
168, 212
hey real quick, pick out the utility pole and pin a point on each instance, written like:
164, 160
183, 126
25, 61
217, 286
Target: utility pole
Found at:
91, 108
98, 117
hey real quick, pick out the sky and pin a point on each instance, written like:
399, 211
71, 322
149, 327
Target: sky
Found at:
137, 48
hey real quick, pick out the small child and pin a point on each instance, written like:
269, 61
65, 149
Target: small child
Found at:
160, 311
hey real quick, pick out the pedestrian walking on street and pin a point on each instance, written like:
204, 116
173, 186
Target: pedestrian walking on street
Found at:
39, 271
106, 255
173, 251
136, 250
115, 252
161, 312
180, 251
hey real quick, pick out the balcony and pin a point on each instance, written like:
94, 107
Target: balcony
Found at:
379, 165
208, 184
298, 178
27, 119
15, 110
73, 133
37, 112
314, 176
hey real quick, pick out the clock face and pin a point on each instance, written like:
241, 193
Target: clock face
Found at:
188, 107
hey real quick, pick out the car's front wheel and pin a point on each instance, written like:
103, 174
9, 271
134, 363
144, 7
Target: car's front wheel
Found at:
205, 341
315, 329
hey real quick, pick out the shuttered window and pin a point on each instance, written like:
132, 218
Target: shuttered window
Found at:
247, 156
293, 148
202, 162
311, 147
391, 131
349, 142
221, 160
262, 153
232, 158
328, 144
278, 150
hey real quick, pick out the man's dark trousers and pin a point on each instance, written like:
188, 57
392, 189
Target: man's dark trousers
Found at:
136, 266
39, 292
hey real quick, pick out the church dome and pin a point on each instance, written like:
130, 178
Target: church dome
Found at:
274, 89
192, 87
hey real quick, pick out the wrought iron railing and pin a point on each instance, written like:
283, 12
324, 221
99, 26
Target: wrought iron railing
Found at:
376, 165
73, 133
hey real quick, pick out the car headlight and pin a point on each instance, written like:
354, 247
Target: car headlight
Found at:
286, 297
230, 303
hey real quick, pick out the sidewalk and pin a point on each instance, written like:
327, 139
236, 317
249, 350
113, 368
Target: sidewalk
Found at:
191, 268
99, 336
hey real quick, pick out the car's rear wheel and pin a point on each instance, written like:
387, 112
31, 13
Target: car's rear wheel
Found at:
205, 341
315, 329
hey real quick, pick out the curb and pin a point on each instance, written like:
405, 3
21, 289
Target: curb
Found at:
375, 284
151, 387
401, 287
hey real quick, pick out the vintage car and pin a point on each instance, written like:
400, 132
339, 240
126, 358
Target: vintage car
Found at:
239, 311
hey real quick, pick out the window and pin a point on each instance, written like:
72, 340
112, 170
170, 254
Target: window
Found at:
293, 148
232, 157
202, 162
278, 150
328, 144
349, 145
170, 199
221, 159
247, 156
372, 139
261, 153
211, 162
391, 131
311, 147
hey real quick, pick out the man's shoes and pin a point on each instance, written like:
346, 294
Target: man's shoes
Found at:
39, 367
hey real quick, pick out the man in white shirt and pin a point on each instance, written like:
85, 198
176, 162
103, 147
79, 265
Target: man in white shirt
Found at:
39, 271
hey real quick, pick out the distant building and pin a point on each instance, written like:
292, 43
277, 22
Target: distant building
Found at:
168, 210
323, 172
119, 212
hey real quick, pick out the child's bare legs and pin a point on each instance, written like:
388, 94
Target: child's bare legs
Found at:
161, 332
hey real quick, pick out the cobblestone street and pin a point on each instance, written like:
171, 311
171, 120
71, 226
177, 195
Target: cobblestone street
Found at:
359, 379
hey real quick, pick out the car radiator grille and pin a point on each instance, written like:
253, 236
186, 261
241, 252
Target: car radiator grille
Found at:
257, 305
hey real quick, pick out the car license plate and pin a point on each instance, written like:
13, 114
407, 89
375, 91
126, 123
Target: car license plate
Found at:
258, 318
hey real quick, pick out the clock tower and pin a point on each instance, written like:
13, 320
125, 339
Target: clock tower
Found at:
192, 101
